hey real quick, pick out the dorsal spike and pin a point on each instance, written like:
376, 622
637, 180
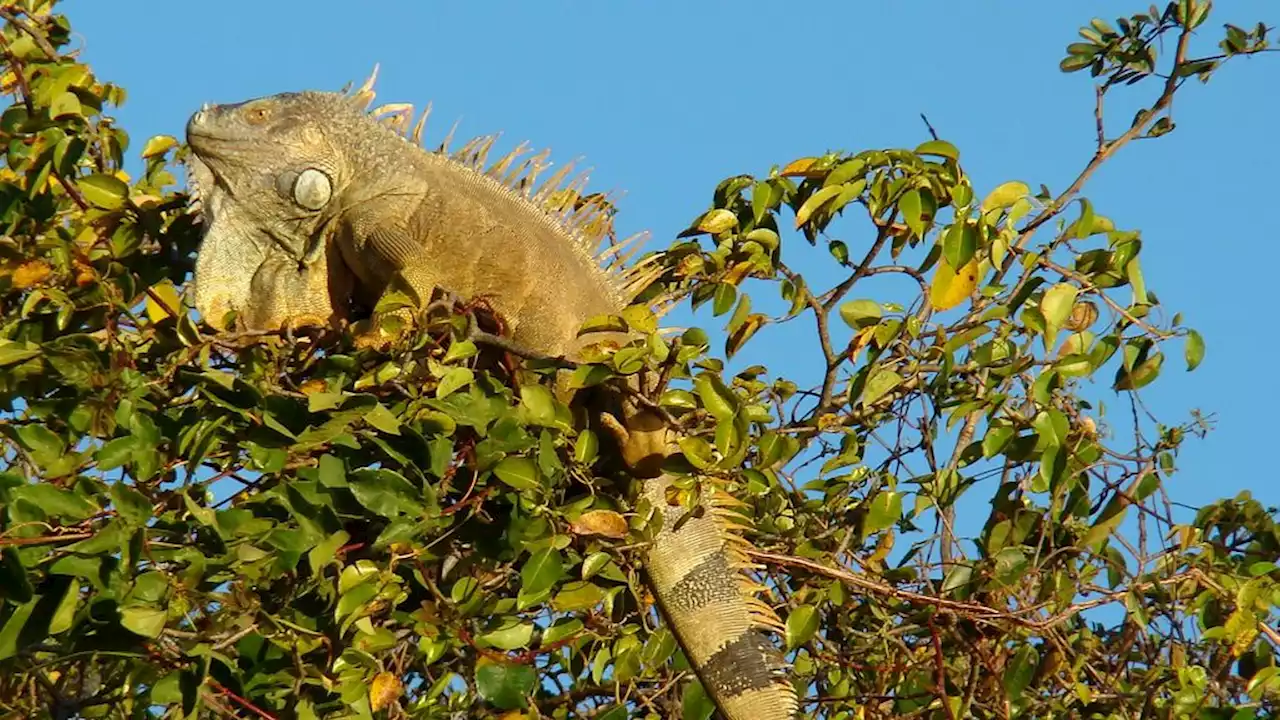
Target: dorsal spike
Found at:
421, 126
394, 115
444, 144
499, 168
514, 177
364, 95
586, 220
537, 164
551, 184
482, 151
626, 249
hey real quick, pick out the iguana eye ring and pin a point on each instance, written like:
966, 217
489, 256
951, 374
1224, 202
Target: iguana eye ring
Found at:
256, 114
312, 189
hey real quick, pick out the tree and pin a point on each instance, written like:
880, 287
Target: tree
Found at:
416, 532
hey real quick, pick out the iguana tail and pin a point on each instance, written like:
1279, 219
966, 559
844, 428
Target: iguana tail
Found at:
697, 573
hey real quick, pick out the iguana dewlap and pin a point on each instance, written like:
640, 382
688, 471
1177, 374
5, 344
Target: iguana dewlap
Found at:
313, 205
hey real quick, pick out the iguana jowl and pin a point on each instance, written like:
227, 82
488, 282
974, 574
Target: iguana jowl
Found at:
314, 205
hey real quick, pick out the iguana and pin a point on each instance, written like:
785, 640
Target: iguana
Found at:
313, 205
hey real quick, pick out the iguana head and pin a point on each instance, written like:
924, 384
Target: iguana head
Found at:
268, 176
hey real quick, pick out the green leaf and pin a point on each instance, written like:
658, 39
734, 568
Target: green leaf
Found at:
115, 453
15, 584
65, 104
860, 313
996, 439
56, 502
544, 569
1056, 308
816, 201
510, 634
958, 577
1072, 63
586, 448
561, 629
12, 353
802, 623
884, 511
386, 492
588, 375
332, 472
718, 399
1018, 675
879, 383
912, 207
454, 379
1194, 350
143, 620
503, 685
1140, 376
539, 403
941, 148
11, 633
325, 551
131, 504
576, 596
723, 298
1011, 565
520, 473
695, 704
46, 446
382, 419
105, 191
960, 243
1004, 195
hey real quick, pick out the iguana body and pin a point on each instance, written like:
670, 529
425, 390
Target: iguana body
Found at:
314, 205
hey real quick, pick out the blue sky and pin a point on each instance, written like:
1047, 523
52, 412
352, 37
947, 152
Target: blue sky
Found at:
665, 99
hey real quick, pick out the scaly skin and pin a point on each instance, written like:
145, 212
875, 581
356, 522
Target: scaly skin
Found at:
314, 206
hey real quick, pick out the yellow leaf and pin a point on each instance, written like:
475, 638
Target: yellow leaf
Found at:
85, 274
738, 272
383, 691
159, 145
815, 201
717, 221
1005, 195
860, 340
605, 523
950, 288
30, 274
146, 201
799, 168
162, 301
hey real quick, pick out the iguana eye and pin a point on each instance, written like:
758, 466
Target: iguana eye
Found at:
256, 114
312, 189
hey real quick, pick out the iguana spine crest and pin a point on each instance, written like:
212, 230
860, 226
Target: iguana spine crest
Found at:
557, 201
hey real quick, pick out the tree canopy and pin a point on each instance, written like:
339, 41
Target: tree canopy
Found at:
261, 525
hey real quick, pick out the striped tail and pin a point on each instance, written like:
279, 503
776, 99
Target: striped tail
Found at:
697, 574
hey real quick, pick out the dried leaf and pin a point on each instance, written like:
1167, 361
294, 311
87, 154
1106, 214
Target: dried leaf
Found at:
383, 691
605, 523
